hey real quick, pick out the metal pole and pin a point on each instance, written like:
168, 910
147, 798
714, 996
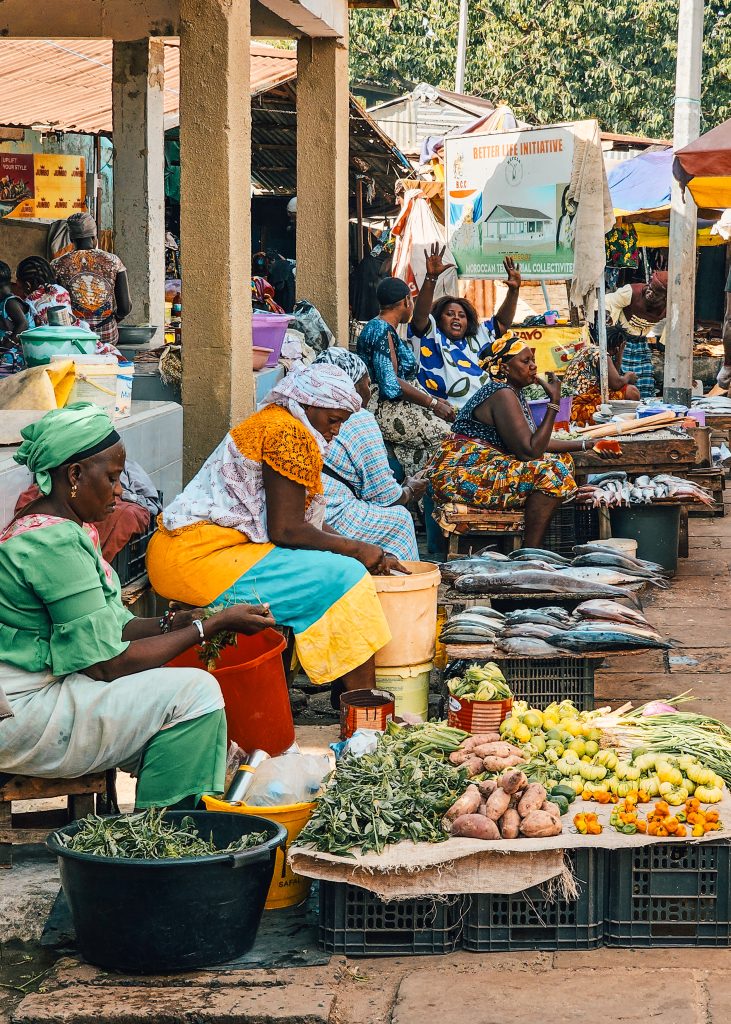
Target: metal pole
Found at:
602, 336
359, 216
683, 215
461, 46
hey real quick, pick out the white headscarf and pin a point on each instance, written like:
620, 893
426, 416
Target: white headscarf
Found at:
322, 385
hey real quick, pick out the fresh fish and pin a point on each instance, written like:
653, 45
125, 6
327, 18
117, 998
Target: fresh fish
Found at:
526, 647
602, 559
486, 610
599, 574
539, 582
490, 552
451, 570
642, 481
588, 549
523, 554
603, 640
611, 476
541, 617
610, 611
467, 638
532, 629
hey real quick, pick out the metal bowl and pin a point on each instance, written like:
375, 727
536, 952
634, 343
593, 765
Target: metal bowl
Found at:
130, 335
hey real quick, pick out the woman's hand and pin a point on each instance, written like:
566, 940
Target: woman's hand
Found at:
444, 411
181, 618
552, 386
369, 555
629, 378
512, 269
240, 618
416, 484
435, 265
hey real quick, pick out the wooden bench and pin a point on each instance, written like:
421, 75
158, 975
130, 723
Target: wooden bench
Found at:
460, 523
85, 795
714, 480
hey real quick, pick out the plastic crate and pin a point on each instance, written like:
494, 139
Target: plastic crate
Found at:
527, 920
543, 681
670, 894
129, 564
571, 524
355, 922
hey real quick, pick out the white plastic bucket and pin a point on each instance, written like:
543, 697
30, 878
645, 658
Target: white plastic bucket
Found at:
410, 606
96, 381
125, 380
409, 685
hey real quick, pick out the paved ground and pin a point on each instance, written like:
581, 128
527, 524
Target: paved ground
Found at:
691, 986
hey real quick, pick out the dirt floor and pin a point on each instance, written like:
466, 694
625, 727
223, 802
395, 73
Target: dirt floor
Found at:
681, 986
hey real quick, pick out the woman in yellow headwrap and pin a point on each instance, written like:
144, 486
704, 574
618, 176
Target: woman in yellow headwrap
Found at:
495, 457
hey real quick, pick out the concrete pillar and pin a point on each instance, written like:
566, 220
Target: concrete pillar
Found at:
138, 81
215, 201
322, 179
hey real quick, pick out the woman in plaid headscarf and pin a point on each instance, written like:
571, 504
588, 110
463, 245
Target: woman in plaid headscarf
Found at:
496, 458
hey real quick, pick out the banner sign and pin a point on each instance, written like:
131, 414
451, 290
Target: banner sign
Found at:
41, 186
554, 347
506, 194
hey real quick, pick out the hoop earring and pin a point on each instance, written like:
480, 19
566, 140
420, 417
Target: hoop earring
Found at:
73, 490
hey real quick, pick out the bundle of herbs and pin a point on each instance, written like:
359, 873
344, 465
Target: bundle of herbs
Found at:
146, 835
395, 793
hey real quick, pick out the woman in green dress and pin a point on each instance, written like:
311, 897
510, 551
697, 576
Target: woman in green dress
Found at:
84, 678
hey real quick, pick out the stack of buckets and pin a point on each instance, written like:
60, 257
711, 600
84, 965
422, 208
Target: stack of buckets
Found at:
404, 666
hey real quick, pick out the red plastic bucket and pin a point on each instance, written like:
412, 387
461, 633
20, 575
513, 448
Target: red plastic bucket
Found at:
478, 715
251, 677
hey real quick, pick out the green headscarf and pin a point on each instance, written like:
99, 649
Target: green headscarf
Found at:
77, 430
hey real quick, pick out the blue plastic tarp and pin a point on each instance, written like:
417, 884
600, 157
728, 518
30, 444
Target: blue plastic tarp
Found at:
642, 183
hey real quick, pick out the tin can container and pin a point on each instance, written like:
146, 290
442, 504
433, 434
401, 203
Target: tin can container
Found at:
478, 715
365, 709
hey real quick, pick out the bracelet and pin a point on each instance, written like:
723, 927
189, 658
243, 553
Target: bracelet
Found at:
430, 277
434, 403
166, 621
553, 406
411, 494
199, 626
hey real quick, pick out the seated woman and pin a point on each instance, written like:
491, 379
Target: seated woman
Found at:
85, 678
451, 337
15, 317
38, 281
410, 419
496, 458
582, 377
364, 501
251, 523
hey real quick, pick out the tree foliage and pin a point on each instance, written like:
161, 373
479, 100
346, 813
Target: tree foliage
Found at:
551, 60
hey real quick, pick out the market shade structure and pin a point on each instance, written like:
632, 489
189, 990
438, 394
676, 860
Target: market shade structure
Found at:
704, 167
640, 191
65, 85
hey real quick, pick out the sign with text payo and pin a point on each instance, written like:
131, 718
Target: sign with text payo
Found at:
507, 194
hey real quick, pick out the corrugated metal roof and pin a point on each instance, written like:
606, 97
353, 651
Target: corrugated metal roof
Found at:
66, 84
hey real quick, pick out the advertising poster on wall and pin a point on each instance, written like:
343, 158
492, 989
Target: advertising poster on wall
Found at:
54, 186
507, 195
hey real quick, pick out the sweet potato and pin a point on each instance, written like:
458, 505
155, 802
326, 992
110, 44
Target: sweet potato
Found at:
478, 739
459, 757
487, 788
500, 764
497, 804
474, 766
512, 782
532, 799
468, 803
510, 824
497, 749
540, 825
550, 808
475, 826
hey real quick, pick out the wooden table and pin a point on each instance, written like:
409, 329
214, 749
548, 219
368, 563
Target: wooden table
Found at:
524, 599
674, 455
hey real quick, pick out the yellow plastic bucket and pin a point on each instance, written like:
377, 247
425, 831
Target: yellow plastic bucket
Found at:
440, 651
410, 606
409, 685
287, 888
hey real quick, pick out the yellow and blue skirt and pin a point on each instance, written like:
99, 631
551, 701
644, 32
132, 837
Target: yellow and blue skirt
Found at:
328, 600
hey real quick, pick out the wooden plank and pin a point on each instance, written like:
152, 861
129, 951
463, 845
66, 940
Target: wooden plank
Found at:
22, 787
488, 652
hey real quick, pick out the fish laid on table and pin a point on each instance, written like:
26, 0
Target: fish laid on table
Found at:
526, 647
534, 629
609, 611
540, 554
611, 577
589, 549
604, 560
486, 610
538, 582
451, 570
542, 616
612, 637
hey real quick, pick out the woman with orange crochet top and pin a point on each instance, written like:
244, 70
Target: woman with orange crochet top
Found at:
252, 522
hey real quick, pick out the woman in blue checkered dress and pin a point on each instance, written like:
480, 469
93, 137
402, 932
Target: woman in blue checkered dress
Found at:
364, 500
